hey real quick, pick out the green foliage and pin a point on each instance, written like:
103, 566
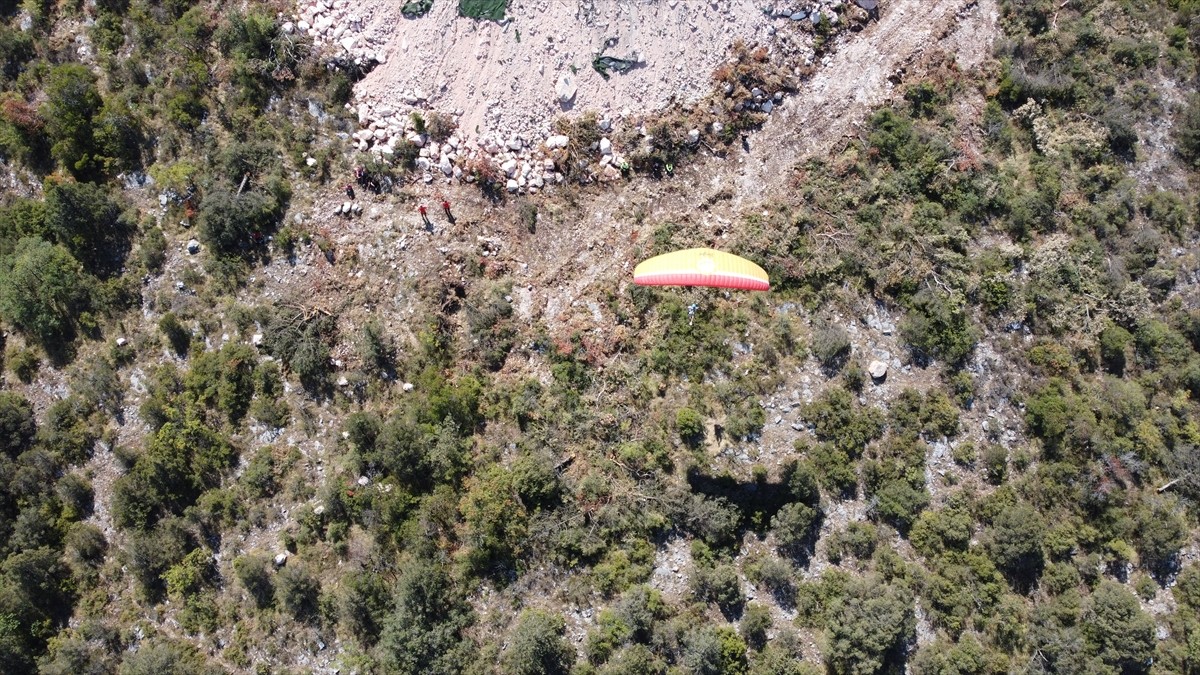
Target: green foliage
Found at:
966, 655
538, 647
1161, 533
72, 103
251, 572
87, 220
297, 591
495, 519
712, 650
492, 10
937, 327
935, 532
793, 526
42, 290
839, 420
856, 541
489, 327
178, 336
17, 425
1014, 542
1117, 630
424, 632
303, 344
234, 223
719, 585
694, 341
1187, 132
189, 577
755, 623
164, 657
181, 462
831, 346
690, 426
869, 628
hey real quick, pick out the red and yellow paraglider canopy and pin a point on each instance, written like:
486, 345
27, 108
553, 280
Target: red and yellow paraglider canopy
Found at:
701, 267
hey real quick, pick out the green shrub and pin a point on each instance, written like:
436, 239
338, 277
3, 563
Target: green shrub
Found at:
690, 426
297, 591
153, 250
755, 623
17, 424
857, 541
899, 503
831, 346
1187, 132
179, 337
793, 526
72, 103
234, 223
869, 627
937, 327
995, 464
712, 650
1014, 542
537, 646
838, 419
182, 461
86, 219
719, 585
1117, 630
424, 633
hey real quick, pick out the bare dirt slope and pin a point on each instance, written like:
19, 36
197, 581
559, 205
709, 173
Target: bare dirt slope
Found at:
504, 75
859, 76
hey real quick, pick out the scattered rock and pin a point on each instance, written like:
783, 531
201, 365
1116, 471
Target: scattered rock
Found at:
565, 89
877, 370
193, 246
281, 559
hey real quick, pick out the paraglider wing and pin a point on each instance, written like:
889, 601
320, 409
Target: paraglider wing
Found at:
701, 267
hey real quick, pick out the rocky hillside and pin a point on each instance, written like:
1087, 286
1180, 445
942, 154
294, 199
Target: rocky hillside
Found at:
268, 407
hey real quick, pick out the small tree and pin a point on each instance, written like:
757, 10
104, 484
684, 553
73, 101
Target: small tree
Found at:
72, 101
869, 628
1014, 542
1117, 630
42, 290
234, 223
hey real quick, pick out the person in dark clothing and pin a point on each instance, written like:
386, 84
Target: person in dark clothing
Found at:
350, 191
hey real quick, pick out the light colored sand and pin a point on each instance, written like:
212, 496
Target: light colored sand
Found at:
502, 83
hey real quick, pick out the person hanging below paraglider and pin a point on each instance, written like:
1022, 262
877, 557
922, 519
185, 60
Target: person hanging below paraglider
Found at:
446, 209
